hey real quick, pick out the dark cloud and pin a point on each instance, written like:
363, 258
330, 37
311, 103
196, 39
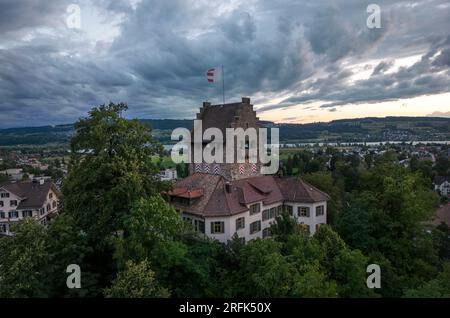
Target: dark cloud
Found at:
382, 67
157, 62
17, 16
427, 76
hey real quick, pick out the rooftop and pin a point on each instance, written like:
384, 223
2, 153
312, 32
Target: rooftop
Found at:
213, 195
32, 193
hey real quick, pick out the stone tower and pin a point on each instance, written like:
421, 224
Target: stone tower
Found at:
233, 115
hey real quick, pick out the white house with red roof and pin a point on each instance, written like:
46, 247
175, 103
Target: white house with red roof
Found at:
37, 199
227, 199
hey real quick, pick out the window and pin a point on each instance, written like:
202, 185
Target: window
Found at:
279, 210
13, 203
255, 208
305, 227
271, 213
48, 207
319, 210
41, 211
2, 228
303, 211
217, 227
13, 214
255, 227
240, 223
266, 232
54, 204
27, 213
265, 215
199, 226
289, 210
4, 195
1, 204
50, 195
2, 215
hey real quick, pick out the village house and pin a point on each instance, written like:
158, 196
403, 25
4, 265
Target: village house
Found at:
168, 174
14, 173
442, 185
37, 199
226, 199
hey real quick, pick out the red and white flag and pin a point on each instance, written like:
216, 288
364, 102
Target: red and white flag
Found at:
211, 75
214, 74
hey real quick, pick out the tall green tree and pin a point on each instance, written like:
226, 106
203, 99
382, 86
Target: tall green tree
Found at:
23, 261
110, 168
136, 280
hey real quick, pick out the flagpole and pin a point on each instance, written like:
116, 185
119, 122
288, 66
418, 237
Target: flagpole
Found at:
223, 86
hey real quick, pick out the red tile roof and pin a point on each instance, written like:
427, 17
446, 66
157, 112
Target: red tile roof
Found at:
184, 192
212, 198
297, 190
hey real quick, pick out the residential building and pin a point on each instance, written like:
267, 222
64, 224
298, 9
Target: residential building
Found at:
442, 185
226, 199
13, 174
168, 175
37, 199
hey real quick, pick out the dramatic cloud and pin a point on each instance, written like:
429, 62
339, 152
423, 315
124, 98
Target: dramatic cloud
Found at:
154, 54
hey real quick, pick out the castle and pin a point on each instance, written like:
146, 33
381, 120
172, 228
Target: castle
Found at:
224, 199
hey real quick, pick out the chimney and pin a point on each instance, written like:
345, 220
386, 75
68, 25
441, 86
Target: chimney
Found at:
228, 186
246, 100
206, 104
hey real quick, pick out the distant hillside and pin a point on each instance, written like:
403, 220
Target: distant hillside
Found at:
369, 129
363, 129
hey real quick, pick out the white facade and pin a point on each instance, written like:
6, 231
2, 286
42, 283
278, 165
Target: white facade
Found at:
168, 175
13, 174
228, 225
443, 188
10, 212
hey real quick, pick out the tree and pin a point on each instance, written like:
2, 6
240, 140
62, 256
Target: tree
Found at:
441, 238
110, 168
438, 287
289, 166
263, 271
311, 282
157, 232
284, 226
350, 274
137, 280
323, 180
151, 221
182, 170
442, 166
355, 222
66, 244
23, 260
3, 177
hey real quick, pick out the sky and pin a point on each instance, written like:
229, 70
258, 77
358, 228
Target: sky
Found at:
299, 61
